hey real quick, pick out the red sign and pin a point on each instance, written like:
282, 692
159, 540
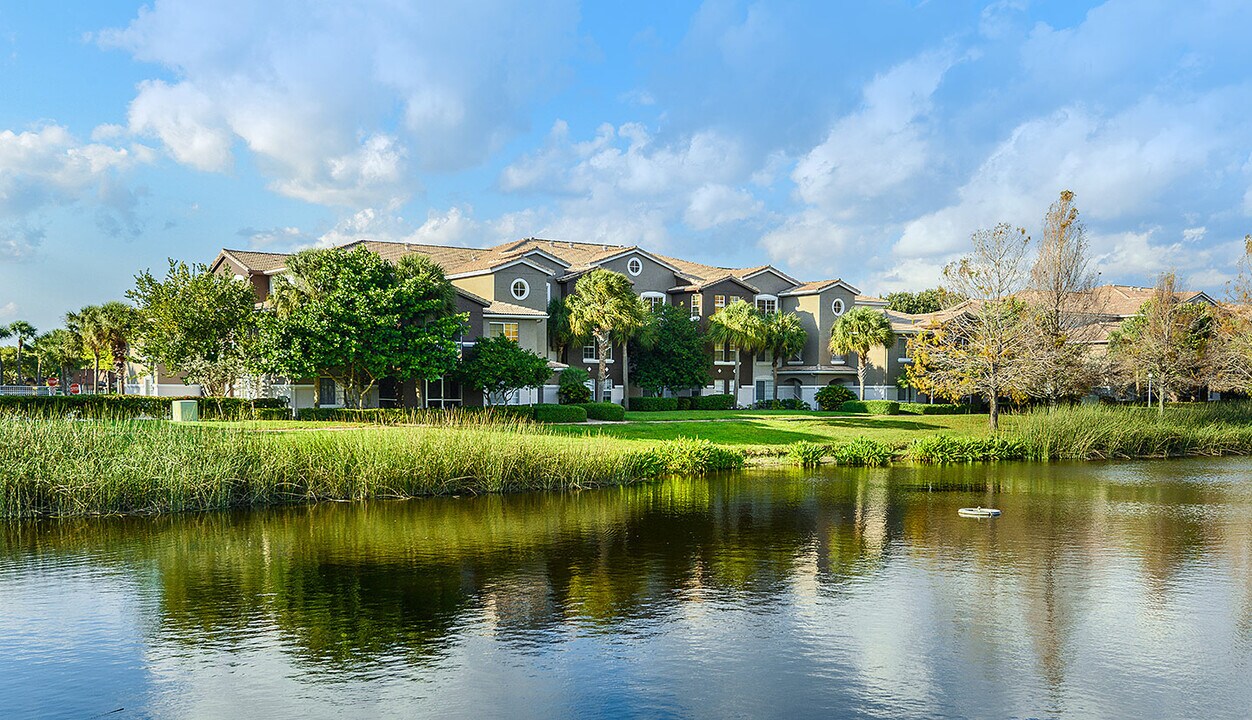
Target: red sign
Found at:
53, 382
75, 388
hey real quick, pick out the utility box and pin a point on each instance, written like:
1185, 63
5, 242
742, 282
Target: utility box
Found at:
186, 411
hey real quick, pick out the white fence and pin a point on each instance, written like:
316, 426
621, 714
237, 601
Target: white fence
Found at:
29, 390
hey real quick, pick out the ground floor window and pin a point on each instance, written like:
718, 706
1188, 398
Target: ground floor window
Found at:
327, 389
443, 393
764, 390
507, 329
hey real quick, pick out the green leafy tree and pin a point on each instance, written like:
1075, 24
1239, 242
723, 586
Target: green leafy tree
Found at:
197, 323
922, 302
117, 325
572, 387
499, 366
4, 333
858, 331
669, 352
602, 308
359, 318
84, 324
784, 336
738, 325
60, 349
23, 331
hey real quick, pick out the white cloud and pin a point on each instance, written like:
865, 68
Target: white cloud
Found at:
879, 146
8, 310
713, 204
811, 241
343, 104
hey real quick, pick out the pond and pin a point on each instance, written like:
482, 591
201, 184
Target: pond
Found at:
1104, 590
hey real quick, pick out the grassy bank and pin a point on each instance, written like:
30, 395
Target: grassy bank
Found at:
68, 467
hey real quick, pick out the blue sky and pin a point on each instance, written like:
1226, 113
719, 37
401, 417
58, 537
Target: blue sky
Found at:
855, 140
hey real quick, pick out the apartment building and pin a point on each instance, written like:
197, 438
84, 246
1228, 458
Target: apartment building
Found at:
506, 290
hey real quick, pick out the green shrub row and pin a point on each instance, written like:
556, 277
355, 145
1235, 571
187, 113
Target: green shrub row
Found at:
933, 409
831, 397
713, 402
942, 449
653, 404
138, 406
695, 456
787, 404
873, 407
604, 411
409, 416
864, 451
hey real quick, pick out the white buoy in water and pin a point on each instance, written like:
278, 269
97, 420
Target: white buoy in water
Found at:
978, 512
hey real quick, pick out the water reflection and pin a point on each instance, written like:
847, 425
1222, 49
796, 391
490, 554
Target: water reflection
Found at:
1120, 589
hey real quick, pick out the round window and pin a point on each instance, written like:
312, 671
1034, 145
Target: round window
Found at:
520, 289
634, 266
836, 306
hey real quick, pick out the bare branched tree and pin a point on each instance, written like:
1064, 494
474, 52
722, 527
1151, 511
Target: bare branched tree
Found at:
983, 349
1062, 301
1232, 352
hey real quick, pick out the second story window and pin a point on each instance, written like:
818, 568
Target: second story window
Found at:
836, 307
767, 304
590, 354
634, 266
507, 329
520, 289
719, 302
653, 300
725, 354
696, 302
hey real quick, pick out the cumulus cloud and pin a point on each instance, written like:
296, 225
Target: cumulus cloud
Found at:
48, 167
344, 104
8, 310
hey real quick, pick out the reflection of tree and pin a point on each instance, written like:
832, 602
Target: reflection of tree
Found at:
346, 585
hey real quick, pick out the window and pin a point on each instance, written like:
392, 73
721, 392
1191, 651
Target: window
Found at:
725, 355
520, 289
507, 329
719, 302
797, 359
442, 393
836, 306
764, 390
327, 389
653, 300
696, 302
767, 304
634, 266
590, 355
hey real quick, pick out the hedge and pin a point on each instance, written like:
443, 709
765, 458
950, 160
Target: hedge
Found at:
713, 402
873, 407
934, 409
547, 413
604, 411
653, 404
135, 406
684, 403
787, 404
398, 416
832, 396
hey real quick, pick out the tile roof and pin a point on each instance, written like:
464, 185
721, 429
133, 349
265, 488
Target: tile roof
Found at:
499, 307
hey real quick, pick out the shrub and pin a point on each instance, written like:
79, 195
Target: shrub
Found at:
950, 449
713, 402
864, 451
684, 403
694, 456
832, 396
806, 454
872, 407
787, 404
122, 407
548, 413
604, 411
933, 409
573, 389
653, 404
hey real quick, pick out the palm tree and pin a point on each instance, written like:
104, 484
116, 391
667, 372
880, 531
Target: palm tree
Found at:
604, 307
60, 348
86, 326
784, 337
858, 331
4, 333
740, 325
118, 321
22, 330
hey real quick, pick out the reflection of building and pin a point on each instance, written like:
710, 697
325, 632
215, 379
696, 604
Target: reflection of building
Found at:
506, 290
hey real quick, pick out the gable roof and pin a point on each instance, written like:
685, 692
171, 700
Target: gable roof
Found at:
817, 287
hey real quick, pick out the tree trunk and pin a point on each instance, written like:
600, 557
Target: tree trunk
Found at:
602, 348
625, 374
19, 361
735, 393
1160, 401
95, 373
317, 392
993, 414
860, 375
774, 373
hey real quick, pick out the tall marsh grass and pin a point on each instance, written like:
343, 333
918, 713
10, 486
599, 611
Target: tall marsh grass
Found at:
1102, 432
73, 467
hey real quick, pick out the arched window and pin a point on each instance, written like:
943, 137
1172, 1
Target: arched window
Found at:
652, 300
634, 266
520, 289
767, 304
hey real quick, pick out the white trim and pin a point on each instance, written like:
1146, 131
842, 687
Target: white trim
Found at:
843, 307
547, 255
641, 251
502, 266
536, 318
525, 289
821, 289
776, 271
756, 301
634, 272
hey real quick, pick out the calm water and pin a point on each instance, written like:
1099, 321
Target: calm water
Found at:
1121, 590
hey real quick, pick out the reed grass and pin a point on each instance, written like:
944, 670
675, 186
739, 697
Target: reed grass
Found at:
75, 467
1102, 432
